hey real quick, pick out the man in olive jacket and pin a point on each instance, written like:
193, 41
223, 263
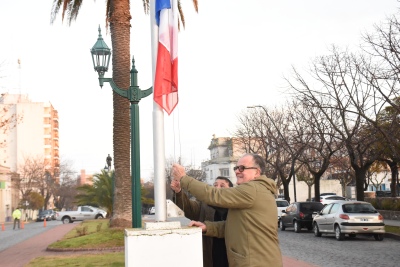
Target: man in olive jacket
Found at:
250, 229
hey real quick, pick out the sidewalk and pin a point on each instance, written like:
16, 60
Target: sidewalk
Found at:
22, 253
393, 222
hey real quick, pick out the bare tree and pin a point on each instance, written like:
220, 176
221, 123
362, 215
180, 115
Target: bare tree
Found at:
65, 190
304, 175
28, 175
373, 174
36, 174
8, 120
191, 170
320, 143
383, 45
341, 170
64, 196
339, 90
267, 132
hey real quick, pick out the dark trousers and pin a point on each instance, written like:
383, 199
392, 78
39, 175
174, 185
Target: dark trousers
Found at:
15, 222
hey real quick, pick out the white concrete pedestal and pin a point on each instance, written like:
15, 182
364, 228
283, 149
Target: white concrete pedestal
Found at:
163, 244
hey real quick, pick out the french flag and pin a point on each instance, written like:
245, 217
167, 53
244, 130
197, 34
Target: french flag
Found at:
166, 76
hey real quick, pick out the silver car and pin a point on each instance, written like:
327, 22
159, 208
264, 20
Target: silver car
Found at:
349, 217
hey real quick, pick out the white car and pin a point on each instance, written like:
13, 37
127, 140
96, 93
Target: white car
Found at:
152, 210
80, 214
281, 205
327, 199
351, 218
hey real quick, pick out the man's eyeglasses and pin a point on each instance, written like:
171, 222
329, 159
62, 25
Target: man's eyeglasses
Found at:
241, 168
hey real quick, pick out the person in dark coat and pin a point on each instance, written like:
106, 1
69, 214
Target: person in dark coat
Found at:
214, 249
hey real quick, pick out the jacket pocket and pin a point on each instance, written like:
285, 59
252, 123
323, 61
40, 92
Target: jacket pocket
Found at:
237, 259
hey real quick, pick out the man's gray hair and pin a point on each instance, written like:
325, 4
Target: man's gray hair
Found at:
258, 162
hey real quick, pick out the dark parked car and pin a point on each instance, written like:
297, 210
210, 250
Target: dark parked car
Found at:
45, 214
300, 215
383, 193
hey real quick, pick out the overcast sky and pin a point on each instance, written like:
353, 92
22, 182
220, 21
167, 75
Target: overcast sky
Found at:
232, 54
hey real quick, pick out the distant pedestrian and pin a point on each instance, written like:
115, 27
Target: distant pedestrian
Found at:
17, 217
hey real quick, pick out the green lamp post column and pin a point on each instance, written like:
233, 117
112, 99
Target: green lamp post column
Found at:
101, 58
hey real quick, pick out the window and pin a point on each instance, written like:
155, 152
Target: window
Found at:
224, 172
282, 203
325, 211
311, 207
334, 209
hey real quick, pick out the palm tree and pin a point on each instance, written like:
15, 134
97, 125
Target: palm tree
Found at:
118, 19
99, 194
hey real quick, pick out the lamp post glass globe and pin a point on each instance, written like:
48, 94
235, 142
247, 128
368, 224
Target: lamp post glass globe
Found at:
101, 55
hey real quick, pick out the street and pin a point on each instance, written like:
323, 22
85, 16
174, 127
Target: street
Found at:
326, 251
323, 251
10, 237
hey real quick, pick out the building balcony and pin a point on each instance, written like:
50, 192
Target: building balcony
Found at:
220, 160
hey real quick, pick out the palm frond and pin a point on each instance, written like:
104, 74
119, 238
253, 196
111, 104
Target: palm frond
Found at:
70, 10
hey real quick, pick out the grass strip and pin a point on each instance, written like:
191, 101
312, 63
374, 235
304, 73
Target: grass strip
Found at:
392, 229
97, 235
116, 259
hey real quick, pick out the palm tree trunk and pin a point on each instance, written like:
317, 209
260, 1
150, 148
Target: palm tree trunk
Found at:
120, 37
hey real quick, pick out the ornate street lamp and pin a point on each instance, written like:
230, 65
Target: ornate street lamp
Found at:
101, 55
101, 59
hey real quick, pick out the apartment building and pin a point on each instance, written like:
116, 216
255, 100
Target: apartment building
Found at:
34, 135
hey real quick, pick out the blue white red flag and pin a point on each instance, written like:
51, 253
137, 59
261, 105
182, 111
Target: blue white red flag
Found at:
166, 76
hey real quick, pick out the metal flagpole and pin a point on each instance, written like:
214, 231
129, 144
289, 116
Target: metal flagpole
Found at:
158, 132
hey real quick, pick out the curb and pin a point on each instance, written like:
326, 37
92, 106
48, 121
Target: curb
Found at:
84, 249
392, 236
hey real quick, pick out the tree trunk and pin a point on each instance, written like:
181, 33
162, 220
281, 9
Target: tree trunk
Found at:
120, 37
317, 184
394, 172
360, 178
285, 183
